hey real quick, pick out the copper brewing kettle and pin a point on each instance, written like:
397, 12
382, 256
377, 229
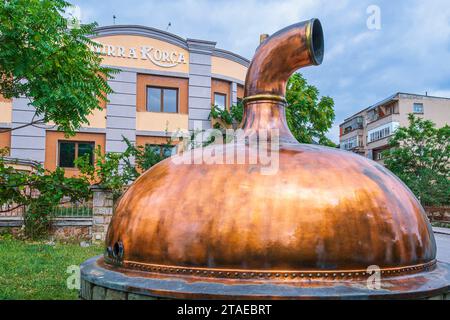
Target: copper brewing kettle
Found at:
325, 216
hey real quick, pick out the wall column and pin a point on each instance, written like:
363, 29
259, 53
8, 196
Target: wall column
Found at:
200, 82
234, 93
121, 111
102, 211
27, 143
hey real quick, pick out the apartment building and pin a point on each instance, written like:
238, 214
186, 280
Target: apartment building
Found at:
166, 83
368, 131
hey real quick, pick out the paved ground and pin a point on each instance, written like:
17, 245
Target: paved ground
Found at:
443, 247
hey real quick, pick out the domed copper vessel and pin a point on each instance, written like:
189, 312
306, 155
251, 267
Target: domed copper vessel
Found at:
312, 229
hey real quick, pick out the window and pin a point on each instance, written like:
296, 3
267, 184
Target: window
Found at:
154, 147
382, 132
418, 108
350, 143
162, 99
353, 124
220, 100
379, 155
167, 151
70, 150
163, 150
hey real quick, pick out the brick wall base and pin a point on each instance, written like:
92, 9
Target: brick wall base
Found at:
90, 291
438, 214
78, 233
65, 230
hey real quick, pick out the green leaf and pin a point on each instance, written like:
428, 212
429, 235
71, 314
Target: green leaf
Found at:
53, 66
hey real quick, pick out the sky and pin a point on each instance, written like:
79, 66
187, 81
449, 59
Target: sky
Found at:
373, 49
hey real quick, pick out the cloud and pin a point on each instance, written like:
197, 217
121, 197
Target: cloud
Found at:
219, 20
439, 93
361, 67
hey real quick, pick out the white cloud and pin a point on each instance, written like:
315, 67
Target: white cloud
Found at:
439, 93
235, 25
333, 134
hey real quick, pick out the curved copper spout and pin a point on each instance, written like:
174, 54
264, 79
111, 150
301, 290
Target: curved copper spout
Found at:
280, 55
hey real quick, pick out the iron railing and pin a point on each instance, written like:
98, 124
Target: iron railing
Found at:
65, 209
73, 210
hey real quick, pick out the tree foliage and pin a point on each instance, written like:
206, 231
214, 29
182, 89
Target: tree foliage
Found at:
419, 156
110, 170
309, 118
145, 157
227, 119
116, 170
47, 59
39, 191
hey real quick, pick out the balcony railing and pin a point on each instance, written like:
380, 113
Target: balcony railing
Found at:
381, 112
352, 143
382, 132
352, 125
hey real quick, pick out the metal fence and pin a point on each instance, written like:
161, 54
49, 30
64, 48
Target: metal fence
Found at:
65, 209
73, 210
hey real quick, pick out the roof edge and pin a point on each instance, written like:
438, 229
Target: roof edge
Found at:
390, 99
140, 30
221, 53
162, 35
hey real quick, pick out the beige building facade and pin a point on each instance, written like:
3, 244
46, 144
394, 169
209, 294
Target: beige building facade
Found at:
165, 84
368, 131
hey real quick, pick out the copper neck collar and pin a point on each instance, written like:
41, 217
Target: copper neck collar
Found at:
264, 97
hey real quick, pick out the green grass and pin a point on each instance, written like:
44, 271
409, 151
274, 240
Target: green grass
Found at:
441, 224
35, 270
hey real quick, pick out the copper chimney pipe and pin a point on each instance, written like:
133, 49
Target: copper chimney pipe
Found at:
275, 60
263, 37
280, 55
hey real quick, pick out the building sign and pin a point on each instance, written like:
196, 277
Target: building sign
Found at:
160, 57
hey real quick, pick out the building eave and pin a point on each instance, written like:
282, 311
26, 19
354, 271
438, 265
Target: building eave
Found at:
140, 31
394, 97
221, 53
162, 35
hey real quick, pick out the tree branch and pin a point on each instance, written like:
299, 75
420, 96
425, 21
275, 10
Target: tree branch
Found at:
23, 126
12, 209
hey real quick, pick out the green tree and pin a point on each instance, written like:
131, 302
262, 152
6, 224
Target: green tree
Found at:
39, 191
116, 170
419, 156
47, 59
111, 170
308, 117
225, 118
145, 157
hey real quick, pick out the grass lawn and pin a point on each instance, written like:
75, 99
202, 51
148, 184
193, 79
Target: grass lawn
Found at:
441, 224
35, 270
